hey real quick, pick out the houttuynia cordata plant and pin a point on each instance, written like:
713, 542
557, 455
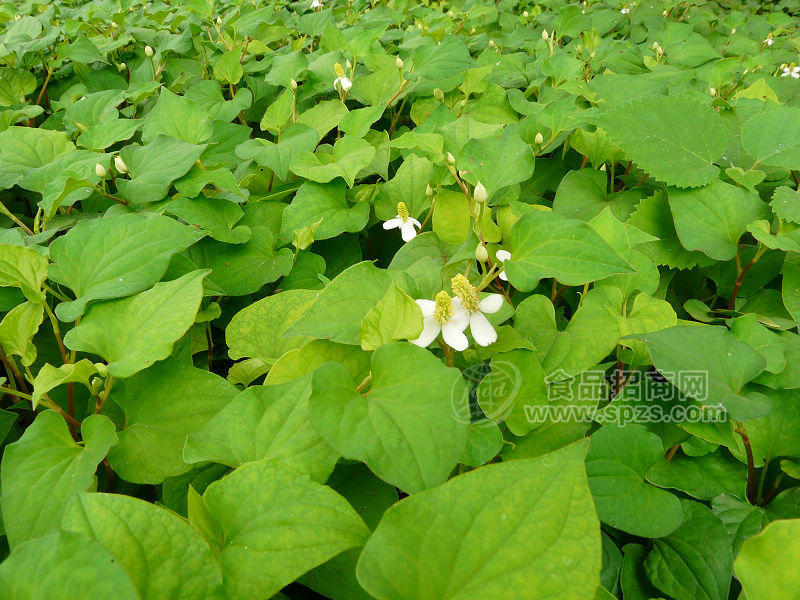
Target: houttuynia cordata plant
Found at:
399, 300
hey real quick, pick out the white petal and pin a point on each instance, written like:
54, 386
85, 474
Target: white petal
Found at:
393, 223
427, 307
503, 255
407, 231
502, 275
430, 329
796, 75
482, 331
454, 337
491, 304
460, 316
415, 222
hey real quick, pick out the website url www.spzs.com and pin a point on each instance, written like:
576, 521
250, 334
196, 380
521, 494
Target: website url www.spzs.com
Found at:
623, 414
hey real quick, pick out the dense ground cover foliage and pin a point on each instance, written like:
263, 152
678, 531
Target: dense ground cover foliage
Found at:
405, 301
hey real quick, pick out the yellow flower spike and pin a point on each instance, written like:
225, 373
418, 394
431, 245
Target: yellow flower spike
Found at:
465, 292
402, 210
444, 307
339, 70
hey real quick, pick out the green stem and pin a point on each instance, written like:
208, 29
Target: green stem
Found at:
14, 218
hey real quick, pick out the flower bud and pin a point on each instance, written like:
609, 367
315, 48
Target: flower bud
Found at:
96, 383
655, 45
492, 44
102, 369
539, 139
219, 20
525, 14
733, 30
579, 49
479, 193
481, 253
148, 50
348, 64
398, 62
438, 94
100, 171
293, 85
429, 191
122, 66
545, 35
473, 30
120, 165
451, 14
451, 159
712, 91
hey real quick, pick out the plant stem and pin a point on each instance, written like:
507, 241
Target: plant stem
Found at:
14, 218
751, 467
101, 399
365, 383
56, 332
44, 85
742, 273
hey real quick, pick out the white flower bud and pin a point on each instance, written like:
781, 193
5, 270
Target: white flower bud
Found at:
545, 35
219, 20
120, 165
398, 62
733, 30
293, 85
492, 44
451, 159
712, 91
525, 14
438, 94
539, 139
122, 66
479, 193
429, 191
100, 171
481, 253
348, 65
473, 30
148, 50
579, 49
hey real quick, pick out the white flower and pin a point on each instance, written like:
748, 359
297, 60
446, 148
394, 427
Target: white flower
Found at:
316, 4
625, 11
467, 300
769, 41
790, 70
120, 164
479, 193
503, 256
446, 316
404, 221
342, 83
